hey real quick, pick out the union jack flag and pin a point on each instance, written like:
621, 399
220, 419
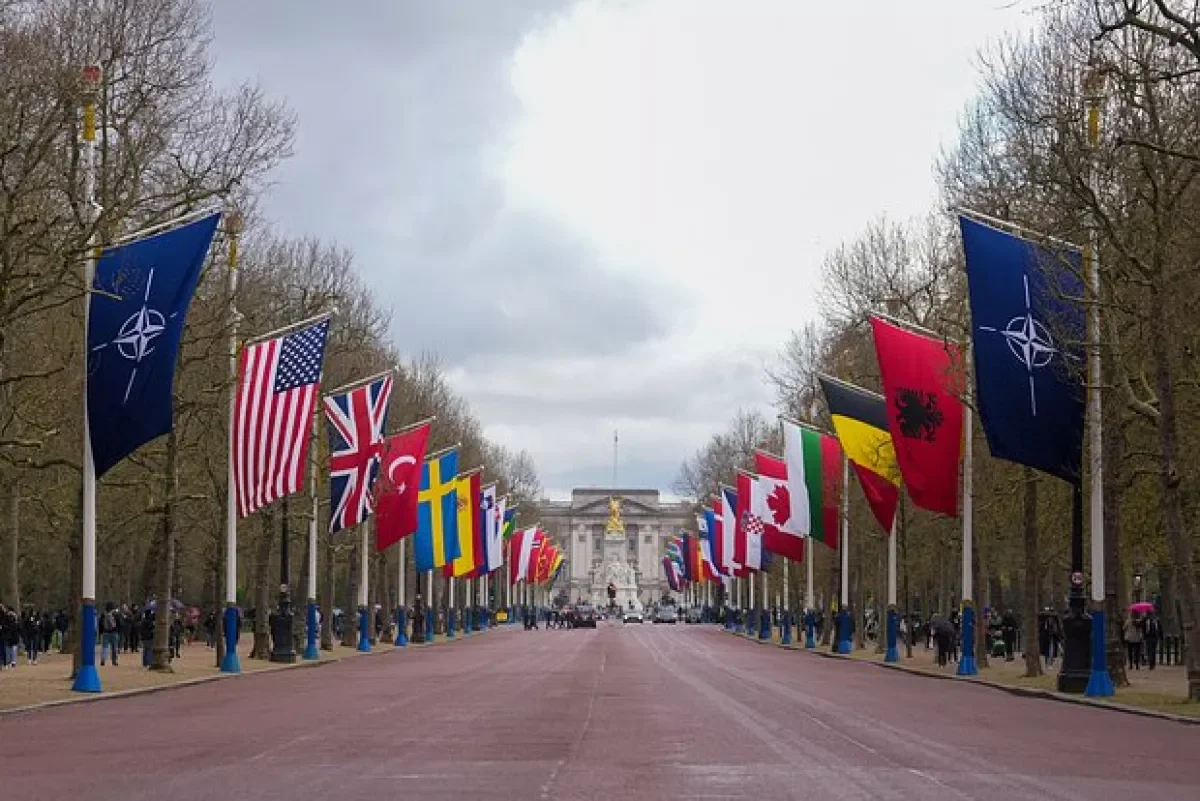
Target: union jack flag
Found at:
356, 420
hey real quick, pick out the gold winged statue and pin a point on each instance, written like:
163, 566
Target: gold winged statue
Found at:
614, 527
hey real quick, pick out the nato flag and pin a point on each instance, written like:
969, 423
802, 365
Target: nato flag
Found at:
134, 325
1028, 360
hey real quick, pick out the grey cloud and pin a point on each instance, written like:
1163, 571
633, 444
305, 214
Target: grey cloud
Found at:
399, 106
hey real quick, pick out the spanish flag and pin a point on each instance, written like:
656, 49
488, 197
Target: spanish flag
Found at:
436, 541
467, 488
860, 420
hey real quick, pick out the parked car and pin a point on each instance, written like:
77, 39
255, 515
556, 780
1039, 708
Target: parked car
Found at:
666, 614
585, 617
633, 616
693, 615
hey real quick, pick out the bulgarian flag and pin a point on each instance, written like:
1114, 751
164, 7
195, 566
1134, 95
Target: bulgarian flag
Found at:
813, 469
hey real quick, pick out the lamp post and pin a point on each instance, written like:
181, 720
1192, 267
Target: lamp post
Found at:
283, 648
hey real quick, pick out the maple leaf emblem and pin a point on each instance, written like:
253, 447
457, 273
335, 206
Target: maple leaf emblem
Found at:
780, 504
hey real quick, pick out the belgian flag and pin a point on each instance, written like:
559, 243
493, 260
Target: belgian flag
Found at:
860, 420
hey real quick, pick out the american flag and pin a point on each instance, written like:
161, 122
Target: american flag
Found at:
356, 422
278, 384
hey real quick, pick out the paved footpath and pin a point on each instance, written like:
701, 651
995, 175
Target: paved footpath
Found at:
637, 712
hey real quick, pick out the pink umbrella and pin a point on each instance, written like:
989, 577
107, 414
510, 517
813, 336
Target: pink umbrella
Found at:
1141, 607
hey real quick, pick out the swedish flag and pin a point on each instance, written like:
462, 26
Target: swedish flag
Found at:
436, 543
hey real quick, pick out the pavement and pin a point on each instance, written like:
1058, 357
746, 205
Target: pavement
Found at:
619, 712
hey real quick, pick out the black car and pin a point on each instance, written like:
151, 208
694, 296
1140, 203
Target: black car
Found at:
585, 617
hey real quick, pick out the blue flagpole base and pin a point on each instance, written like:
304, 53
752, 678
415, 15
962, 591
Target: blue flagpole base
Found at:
87, 680
310, 647
401, 628
364, 629
893, 627
450, 624
764, 625
230, 663
785, 637
1099, 682
966, 665
844, 645
810, 631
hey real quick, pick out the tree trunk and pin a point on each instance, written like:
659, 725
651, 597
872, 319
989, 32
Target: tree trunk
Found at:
300, 629
11, 595
902, 532
350, 630
1029, 623
262, 588
151, 563
978, 574
73, 640
326, 595
856, 596
161, 653
1178, 540
384, 595
835, 574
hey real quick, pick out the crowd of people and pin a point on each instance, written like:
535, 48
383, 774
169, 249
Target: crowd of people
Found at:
33, 632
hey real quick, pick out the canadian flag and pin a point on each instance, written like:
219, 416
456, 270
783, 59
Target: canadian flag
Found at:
771, 502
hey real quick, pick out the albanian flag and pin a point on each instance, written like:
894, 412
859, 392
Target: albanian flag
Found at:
925, 415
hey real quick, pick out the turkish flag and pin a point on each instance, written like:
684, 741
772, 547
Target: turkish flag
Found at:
398, 484
921, 380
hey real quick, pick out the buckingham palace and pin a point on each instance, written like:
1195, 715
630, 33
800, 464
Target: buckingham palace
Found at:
613, 536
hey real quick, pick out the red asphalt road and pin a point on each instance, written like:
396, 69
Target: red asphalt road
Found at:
637, 712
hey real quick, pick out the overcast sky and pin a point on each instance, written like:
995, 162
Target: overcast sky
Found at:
605, 214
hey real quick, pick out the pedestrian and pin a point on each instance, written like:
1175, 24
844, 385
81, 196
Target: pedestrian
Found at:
175, 636
12, 636
32, 633
1151, 637
146, 632
1131, 632
60, 628
1008, 631
4, 661
943, 636
110, 639
47, 631
129, 619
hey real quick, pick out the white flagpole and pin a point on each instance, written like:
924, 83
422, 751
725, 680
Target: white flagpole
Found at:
450, 608
87, 679
230, 662
364, 612
809, 599
966, 665
750, 604
310, 647
430, 610
785, 585
843, 630
1099, 682
401, 605
764, 621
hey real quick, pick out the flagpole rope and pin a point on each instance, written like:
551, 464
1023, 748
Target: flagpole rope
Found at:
1007, 226
287, 329
361, 382
175, 222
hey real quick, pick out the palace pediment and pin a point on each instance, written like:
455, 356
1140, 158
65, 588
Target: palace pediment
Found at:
629, 506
